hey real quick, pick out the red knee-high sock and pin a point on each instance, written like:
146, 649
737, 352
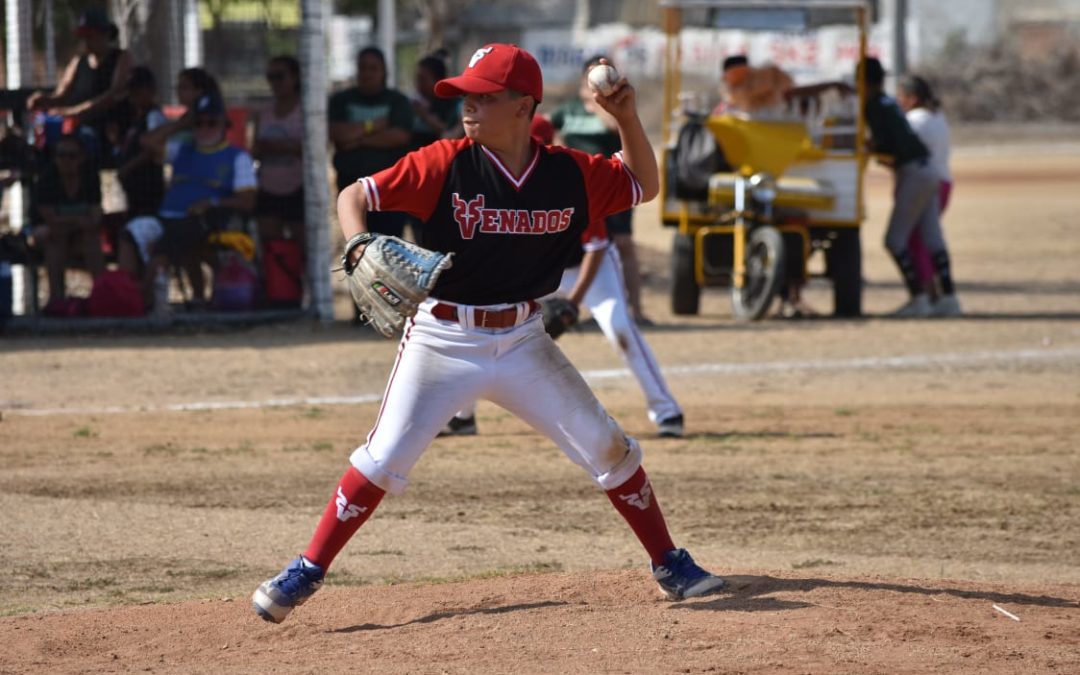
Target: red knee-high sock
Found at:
635, 501
353, 502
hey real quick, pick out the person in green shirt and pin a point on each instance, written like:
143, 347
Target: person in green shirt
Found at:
370, 126
581, 124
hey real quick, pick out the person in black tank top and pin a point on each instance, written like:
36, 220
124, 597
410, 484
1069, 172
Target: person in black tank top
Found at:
93, 84
510, 211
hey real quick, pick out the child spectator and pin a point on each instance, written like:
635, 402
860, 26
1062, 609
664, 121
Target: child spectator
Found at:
68, 201
279, 135
211, 181
141, 172
928, 121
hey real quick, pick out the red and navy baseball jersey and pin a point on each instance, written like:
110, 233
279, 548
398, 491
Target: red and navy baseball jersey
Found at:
510, 235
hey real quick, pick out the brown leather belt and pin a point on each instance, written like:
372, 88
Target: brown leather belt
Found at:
483, 318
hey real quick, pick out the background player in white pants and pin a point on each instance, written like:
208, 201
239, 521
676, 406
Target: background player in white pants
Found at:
506, 207
605, 297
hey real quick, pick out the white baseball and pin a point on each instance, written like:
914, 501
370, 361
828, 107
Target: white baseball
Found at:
602, 79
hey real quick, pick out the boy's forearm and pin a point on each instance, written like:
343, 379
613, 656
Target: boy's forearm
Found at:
638, 156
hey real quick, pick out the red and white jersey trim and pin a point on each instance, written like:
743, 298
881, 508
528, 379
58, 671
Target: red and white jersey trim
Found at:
371, 192
595, 245
635, 186
516, 182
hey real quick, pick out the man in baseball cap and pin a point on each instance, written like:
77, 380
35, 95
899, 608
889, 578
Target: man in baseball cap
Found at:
493, 68
210, 105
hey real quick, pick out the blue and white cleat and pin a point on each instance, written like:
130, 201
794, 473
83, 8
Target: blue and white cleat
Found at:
275, 598
681, 578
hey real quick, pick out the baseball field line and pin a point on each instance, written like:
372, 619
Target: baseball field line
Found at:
905, 362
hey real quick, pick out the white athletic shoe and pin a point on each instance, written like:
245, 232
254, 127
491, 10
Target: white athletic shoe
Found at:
947, 305
918, 306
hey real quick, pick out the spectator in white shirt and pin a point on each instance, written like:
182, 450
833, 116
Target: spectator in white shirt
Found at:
924, 114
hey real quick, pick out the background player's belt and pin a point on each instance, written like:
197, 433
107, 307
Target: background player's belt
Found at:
483, 318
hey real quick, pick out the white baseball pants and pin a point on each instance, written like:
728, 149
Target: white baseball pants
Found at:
442, 367
606, 300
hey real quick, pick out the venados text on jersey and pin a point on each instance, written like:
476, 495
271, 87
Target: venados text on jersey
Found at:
472, 214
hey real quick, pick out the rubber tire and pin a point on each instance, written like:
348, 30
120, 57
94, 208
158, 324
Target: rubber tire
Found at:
764, 274
843, 259
685, 292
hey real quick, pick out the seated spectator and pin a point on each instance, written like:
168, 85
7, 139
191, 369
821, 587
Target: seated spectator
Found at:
92, 84
767, 92
211, 181
68, 202
757, 91
191, 85
279, 136
141, 171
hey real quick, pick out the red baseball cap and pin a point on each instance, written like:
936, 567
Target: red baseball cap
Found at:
495, 67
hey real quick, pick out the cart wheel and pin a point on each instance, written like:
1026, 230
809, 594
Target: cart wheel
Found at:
764, 274
685, 292
844, 262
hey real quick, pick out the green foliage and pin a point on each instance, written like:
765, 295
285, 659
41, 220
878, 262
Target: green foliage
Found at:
85, 432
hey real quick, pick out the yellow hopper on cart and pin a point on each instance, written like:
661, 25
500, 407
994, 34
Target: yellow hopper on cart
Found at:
792, 185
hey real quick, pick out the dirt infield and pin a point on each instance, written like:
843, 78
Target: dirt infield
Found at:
871, 489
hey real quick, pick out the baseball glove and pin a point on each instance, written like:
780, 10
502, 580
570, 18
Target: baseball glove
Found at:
559, 314
391, 279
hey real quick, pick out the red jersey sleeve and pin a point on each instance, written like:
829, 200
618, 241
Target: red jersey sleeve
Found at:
595, 236
611, 186
414, 182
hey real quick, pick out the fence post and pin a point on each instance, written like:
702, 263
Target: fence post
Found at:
316, 183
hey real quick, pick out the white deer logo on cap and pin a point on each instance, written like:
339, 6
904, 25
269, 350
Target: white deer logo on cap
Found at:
479, 54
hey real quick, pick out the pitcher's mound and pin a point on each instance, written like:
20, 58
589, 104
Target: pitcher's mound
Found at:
593, 622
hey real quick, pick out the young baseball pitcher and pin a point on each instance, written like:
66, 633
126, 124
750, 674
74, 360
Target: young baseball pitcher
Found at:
510, 211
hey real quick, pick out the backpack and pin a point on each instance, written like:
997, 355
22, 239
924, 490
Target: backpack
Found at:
283, 272
697, 157
234, 283
115, 293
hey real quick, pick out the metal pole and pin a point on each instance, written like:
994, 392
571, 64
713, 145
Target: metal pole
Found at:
388, 39
19, 62
313, 45
193, 44
900, 52
19, 47
50, 44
